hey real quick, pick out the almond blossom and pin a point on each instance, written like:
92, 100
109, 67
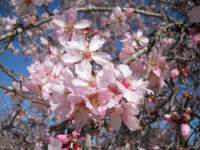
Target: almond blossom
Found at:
80, 49
158, 67
132, 89
125, 112
67, 24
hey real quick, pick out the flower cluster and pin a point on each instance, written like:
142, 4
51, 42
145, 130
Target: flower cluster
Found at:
80, 83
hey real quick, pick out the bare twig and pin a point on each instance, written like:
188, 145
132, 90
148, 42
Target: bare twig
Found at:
21, 94
9, 72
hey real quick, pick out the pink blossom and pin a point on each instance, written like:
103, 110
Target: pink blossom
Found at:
125, 112
80, 49
158, 67
66, 24
132, 89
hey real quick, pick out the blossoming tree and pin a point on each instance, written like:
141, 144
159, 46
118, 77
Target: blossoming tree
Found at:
104, 74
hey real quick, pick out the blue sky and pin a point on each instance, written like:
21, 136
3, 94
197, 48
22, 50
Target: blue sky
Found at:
17, 63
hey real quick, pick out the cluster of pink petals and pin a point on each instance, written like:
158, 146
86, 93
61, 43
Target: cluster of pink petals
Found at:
66, 24
74, 92
157, 67
80, 49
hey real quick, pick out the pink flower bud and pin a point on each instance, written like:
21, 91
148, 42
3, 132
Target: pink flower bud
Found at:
174, 73
185, 130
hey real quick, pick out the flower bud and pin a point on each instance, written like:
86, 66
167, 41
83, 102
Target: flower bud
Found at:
175, 73
185, 130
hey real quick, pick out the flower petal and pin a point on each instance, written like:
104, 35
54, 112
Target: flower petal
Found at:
71, 57
77, 44
59, 22
126, 72
101, 58
131, 121
79, 82
82, 24
84, 70
96, 43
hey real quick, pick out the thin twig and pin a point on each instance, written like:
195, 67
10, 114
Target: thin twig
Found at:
9, 72
21, 94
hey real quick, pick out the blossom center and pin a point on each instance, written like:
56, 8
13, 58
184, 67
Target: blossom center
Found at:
93, 98
126, 83
87, 54
69, 28
113, 88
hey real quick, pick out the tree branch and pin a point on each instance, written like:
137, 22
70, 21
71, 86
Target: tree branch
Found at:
20, 30
21, 94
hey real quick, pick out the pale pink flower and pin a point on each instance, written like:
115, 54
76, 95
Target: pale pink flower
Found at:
157, 70
80, 49
97, 102
85, 83
66, 24
125, 112
132, 89
81, 115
